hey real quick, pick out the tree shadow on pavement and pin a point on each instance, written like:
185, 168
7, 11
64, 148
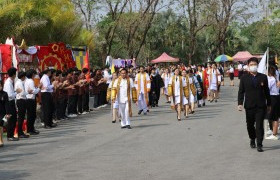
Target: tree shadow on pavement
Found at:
150, 125
14, 174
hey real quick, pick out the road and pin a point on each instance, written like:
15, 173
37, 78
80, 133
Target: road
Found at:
211, 145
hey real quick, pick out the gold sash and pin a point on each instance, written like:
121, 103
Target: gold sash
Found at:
128, 93
181, 90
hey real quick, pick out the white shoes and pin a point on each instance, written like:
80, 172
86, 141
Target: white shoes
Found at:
269, 132
84, 113
272, 137
72, 115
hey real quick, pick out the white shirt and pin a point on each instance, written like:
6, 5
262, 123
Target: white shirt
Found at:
142, 82
177, 85
231, 70
45, 80
122, 95
20, 85
9, 89
166, 78
272, 84
107, 76
240, 67
245, 67
29, 85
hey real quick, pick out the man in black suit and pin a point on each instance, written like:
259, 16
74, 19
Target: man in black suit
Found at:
254, 87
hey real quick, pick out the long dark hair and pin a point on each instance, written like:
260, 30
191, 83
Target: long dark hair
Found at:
271, 71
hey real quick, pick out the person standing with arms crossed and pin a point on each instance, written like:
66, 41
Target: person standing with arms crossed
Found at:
254, 87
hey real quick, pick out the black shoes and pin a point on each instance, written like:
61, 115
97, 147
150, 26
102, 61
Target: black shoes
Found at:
260, 149
203, 104
128, 127
114, 121
23, 136
199, 106
139, 112
35, 132
253, 144
13, 139
47, 127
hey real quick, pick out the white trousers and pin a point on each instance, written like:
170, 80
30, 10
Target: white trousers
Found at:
142, 105
124, 112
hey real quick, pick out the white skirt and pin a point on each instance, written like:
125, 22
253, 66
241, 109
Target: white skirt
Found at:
185, 101
213, 86
116, 105
192, 98
177, 100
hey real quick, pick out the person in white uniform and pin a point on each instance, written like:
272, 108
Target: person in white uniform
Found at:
214, 80
166, 78
124, 92
115, 104
21, 103
143, 87
176, 92
31, 104
274, 114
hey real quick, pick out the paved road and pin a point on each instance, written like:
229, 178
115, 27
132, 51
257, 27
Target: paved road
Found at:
211, 145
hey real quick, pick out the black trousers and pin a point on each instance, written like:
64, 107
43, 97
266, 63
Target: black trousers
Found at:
72, 104
255, 128
102, 98
60, 106
240, 74
31, 106
80, 103
275, 110
13, 120
86, 101
96, 100
65, 103
76, 104
21, 105
47, 108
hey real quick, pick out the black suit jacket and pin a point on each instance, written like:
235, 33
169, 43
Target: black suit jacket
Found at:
256, 96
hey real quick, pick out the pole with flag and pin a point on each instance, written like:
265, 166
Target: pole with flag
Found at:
263, 65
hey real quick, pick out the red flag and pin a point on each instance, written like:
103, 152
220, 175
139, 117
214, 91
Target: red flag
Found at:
48, 59
6, 54
86, 62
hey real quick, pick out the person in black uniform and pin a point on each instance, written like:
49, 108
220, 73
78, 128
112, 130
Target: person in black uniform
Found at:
156, 84
254, 87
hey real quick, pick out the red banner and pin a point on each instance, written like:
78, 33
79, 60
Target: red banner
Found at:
55, 55
47, 59
6, 57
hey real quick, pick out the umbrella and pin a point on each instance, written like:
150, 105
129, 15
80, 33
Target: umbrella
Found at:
223, 58
242, 56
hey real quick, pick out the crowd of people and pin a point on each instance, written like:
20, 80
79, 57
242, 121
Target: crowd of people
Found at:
66, 94
62, 95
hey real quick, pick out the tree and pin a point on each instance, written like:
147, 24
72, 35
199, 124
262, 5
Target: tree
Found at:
196, 13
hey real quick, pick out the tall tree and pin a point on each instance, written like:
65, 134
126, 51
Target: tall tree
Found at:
196, 13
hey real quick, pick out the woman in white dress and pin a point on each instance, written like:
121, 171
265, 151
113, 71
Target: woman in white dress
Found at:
115, 105
166, 78
176, 92
214, 80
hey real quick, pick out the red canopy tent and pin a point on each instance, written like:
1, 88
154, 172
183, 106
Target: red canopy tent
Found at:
165, 58
242, 56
